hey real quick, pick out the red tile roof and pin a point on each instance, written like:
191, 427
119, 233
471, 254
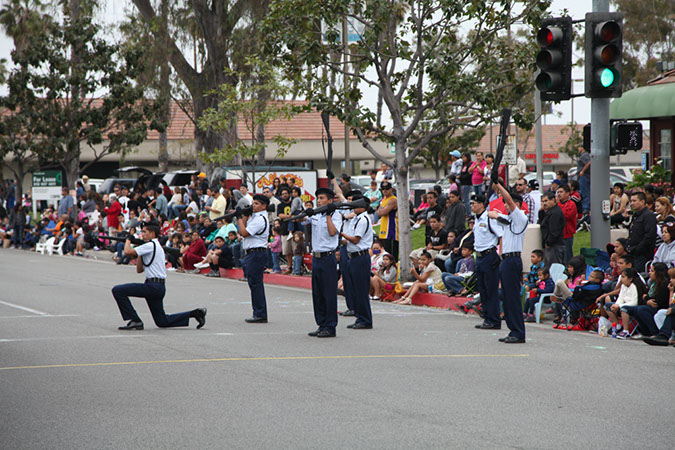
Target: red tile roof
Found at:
305, 126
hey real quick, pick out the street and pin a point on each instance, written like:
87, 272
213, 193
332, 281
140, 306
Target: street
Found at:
422, 378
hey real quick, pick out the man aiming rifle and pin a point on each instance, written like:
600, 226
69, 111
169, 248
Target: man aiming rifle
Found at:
150, 259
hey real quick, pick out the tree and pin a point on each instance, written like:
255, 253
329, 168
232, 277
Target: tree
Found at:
224, 31
16, 137
61, 89
648, 37
416, 54
574, 140
436, 155
255, 101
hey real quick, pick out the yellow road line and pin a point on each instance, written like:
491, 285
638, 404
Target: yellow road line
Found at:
264, 358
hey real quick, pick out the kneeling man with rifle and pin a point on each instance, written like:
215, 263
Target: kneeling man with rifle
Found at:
151, 261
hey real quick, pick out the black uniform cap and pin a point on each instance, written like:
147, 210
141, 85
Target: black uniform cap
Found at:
324, 191
261, 198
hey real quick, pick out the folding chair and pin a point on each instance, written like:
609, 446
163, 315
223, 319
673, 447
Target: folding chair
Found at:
557, 272
584, 309
41, 247
56, 248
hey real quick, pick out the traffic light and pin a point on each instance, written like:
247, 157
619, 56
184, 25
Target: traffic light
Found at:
555, 58
604, 46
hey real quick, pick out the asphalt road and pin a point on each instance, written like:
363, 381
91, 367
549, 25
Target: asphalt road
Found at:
422, 378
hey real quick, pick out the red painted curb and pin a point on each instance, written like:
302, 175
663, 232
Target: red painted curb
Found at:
305, 282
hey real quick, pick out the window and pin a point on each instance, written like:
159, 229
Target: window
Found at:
664, 148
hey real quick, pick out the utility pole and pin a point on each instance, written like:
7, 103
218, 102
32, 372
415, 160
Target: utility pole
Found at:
345, 46
600, 234
539, 152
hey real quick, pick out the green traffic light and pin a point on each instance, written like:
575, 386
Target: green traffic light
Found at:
606, 77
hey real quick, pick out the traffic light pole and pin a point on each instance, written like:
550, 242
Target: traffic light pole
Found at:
600, 225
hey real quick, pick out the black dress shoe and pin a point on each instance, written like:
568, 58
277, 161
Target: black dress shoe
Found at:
513, 340
200, 315
325, 334
659, 340
347, 313
360, 326
314, 333
256, 320
488, 326
132, 325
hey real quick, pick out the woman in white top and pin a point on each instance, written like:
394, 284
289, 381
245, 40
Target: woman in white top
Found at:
666, 251
193, 208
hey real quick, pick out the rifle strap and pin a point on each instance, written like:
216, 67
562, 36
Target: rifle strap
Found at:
154, 252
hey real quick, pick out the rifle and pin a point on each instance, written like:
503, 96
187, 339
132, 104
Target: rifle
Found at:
503, 128
175, 252
239, 212
360, 203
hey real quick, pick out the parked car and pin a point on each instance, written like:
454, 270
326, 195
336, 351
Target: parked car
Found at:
109, 183
179, 178
145, 177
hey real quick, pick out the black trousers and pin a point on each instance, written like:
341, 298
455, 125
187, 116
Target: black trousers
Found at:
324, 292
153, 293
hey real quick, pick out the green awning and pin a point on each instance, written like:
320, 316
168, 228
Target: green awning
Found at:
645, 102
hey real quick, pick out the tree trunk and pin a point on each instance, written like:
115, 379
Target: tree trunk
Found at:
402, 188
72, 166
20, 174
164, 90
206, 141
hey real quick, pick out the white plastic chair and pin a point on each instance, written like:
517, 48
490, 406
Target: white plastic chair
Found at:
42, 246
56, 248
557, 272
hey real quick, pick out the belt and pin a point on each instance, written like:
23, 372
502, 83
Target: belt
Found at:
155, 280
359, 253
486, 252
506, 255
323, 254
253, 250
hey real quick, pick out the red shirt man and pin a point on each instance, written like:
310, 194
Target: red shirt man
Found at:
569, 209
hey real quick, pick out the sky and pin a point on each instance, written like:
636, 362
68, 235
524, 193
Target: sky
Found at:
578, 109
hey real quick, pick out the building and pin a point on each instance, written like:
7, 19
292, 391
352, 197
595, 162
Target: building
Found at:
654, 103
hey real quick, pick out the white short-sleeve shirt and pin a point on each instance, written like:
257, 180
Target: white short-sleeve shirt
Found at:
154, 267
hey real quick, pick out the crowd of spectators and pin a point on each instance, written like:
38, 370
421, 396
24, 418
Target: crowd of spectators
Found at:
631, 291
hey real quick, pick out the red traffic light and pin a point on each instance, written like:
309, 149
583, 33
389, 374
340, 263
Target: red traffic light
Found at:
548, 36
608, 31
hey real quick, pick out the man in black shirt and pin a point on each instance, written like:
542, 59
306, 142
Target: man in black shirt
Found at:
642, 234
433, 209
283, 213
436, 239
552, 226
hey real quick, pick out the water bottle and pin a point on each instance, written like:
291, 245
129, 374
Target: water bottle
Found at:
603, 331
613, 329
430, 285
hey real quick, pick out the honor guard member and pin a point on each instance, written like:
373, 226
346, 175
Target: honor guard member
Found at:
358, 234
150, 259
511, 267
344, 255
347, 215
255, 231
486, 238
325, 236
